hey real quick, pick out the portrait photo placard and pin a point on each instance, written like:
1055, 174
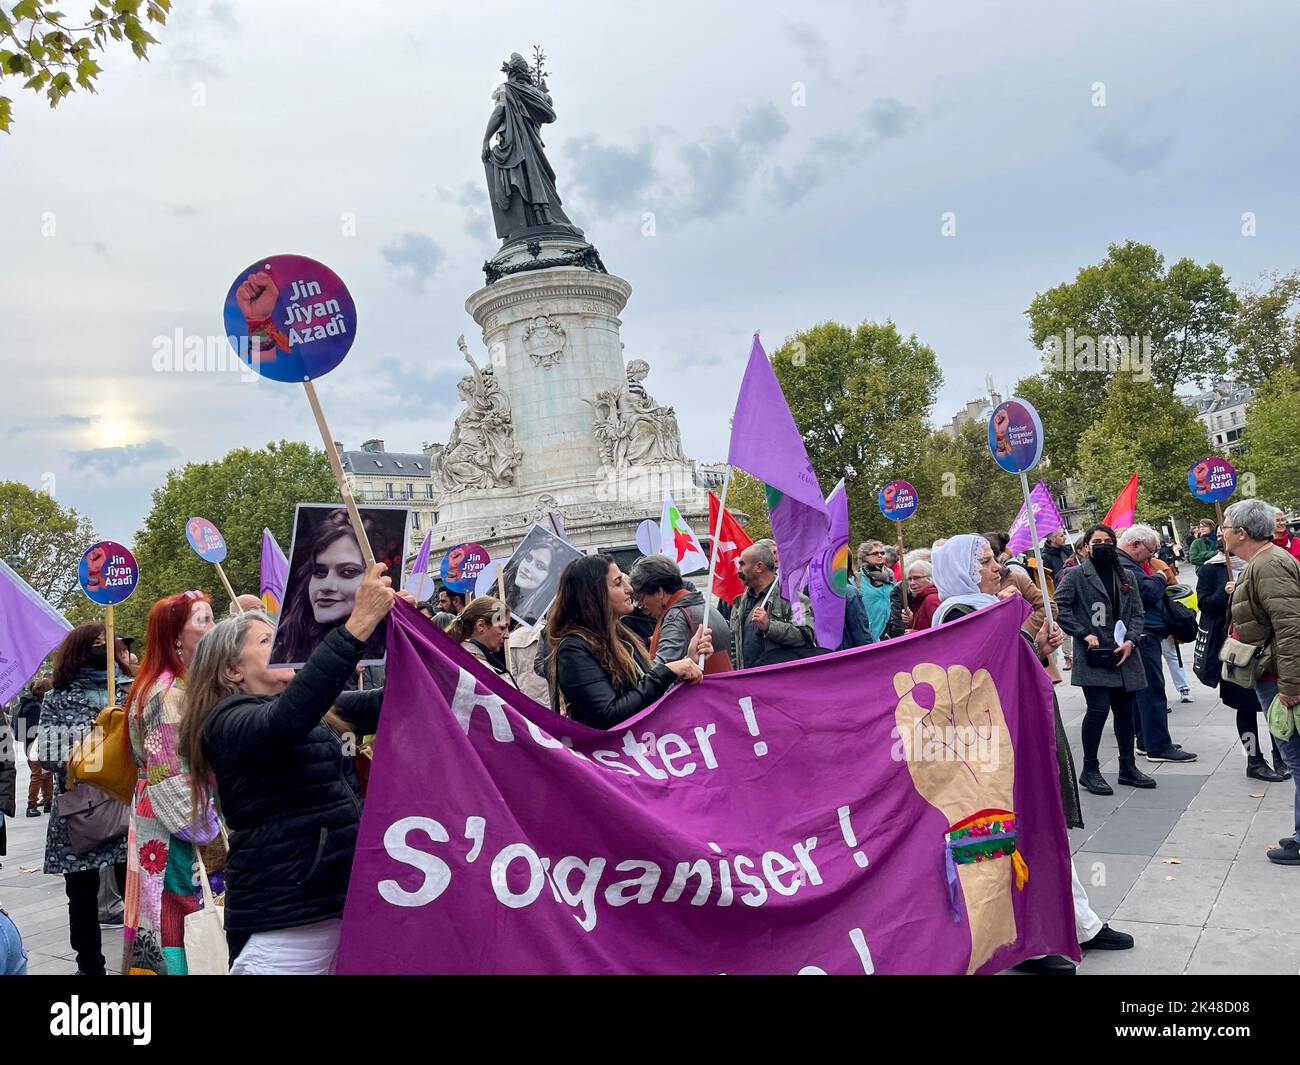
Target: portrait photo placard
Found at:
325, 570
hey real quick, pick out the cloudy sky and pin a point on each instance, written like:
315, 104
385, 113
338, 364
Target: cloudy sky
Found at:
798, 159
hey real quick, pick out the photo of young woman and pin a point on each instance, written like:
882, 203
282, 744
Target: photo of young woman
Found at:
325, 570
532, 574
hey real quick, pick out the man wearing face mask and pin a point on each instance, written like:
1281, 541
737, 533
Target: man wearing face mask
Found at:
1137, 547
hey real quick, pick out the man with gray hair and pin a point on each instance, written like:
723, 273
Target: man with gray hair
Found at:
1137, 546
763, 627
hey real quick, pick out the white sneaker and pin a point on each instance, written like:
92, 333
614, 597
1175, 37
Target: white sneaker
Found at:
1184, 695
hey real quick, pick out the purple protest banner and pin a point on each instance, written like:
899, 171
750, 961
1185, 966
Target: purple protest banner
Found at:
29, 630
843, 814
1047, 519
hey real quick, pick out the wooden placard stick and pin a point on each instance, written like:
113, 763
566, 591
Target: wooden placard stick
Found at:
225, 582
337, 466
111, 647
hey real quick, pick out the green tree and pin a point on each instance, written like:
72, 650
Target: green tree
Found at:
48, 542
48, 55
860, 398
1266, 333
1143, 427
241, 494
1272, 454
1187, 311
961, 488
746, 496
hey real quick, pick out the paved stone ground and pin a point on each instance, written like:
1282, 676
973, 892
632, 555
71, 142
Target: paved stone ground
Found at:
1180, 866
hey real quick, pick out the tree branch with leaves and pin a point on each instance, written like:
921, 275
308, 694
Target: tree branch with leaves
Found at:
50, 55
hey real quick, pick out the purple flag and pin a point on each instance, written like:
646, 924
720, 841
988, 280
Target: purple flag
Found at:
828, 576
275, 571
766, 443
894, 809
1047, 519
420, 567
29, 630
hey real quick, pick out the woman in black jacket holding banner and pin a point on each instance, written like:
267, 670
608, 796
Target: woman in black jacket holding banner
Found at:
600, 671
1213, 596
274, 746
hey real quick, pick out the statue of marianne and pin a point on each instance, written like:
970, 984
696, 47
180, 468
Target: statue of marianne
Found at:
521, 183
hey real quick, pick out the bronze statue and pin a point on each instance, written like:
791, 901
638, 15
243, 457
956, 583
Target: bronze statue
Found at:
521, 183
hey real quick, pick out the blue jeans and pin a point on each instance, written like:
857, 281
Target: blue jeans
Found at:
1266, 692
13, 959
1153, 707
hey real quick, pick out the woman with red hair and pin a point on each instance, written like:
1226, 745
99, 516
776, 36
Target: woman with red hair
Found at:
161, 845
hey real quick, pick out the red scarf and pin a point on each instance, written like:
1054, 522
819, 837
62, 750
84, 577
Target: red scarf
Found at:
654, 639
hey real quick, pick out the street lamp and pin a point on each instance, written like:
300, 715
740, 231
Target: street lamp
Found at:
1092, 505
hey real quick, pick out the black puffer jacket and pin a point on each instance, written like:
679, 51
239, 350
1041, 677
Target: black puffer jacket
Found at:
288, 794
589, 695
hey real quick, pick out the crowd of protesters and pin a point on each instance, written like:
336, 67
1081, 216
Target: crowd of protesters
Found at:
244, 770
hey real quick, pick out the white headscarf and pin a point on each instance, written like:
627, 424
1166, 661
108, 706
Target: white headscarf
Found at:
956, 575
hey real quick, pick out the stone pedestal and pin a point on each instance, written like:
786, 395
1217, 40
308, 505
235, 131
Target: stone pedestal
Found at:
552, 338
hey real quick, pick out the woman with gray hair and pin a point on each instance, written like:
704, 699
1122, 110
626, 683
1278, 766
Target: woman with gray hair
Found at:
1266, 616
874, 587
921, 593
284, 782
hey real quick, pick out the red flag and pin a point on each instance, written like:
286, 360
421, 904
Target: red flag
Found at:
1122, 511
732, 540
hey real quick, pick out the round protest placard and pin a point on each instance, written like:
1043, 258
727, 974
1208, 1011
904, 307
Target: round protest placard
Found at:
462, 565
107, 573
206, 539
290, 318
898, 501
1016, 436
647, 537
486, 581
1212, 480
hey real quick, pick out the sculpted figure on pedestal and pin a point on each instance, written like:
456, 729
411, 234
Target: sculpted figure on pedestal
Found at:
481, 452
631, 428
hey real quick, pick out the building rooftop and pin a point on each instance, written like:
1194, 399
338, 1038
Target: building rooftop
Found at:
386, 463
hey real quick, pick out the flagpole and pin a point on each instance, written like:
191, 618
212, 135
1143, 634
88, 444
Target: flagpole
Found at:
711, 599
1038, 552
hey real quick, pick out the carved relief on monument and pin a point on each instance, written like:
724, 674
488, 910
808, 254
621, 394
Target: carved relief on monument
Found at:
544, 340
631, 428
481, 452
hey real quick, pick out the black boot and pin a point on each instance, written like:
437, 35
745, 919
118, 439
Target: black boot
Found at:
1279, 766
1131, 776
1093, 781
1258, 769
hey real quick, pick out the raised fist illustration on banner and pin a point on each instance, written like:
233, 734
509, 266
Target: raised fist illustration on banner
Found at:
958, 752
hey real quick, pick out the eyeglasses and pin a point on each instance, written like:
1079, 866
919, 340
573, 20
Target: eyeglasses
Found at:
873, 554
